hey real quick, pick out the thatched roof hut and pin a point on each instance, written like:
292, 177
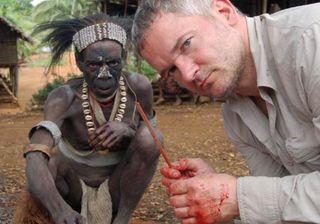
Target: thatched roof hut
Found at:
256, 7
119, 7
9, 34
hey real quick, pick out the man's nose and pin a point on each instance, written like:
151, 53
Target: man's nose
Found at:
104, 72
187, 69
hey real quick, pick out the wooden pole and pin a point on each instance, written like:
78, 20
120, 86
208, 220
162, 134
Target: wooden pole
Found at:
14, 79
125, 7
8, 89
264, 6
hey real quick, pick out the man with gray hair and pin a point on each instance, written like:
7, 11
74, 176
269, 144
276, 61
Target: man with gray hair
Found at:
267, 70
92, 157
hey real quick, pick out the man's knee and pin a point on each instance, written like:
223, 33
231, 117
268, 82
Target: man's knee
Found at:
59, 171
145, 144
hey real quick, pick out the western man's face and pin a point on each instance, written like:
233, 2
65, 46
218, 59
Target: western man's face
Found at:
204, 54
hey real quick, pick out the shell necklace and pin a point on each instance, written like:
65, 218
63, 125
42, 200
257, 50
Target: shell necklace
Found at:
118, 109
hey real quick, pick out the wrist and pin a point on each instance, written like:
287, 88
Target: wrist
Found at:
234, 198
230, 206
57, 208
132, 128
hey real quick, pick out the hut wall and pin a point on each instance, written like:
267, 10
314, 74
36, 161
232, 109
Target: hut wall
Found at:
8, 46
119, 7
255, 7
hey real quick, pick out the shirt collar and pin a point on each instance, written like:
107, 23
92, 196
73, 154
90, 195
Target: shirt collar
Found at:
259, 42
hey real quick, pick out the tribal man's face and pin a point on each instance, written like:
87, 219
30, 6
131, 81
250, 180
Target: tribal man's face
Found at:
101, 66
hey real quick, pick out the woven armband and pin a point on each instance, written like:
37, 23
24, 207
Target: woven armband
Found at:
51, 127
37, 148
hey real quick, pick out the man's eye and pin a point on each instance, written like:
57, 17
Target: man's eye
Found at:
171, 71
93, 65
113, 63
186, 43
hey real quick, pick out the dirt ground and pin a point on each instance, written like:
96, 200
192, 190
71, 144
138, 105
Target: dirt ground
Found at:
190, 131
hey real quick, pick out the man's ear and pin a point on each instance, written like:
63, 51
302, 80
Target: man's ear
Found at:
227, 10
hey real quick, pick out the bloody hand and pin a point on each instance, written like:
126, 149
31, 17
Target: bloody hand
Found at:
198, 194
184, 168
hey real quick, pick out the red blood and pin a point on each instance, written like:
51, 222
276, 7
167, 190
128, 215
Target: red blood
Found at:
224, 194
206, 208
182, 166
210, 214
186, 174
208, 211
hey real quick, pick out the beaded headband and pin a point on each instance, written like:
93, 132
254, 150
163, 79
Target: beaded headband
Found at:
91, 34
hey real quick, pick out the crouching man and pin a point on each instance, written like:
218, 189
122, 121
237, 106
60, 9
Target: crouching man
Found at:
91, 158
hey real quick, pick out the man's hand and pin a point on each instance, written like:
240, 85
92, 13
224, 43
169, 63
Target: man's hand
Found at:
198, 194
110, 134
185, 168
69, 216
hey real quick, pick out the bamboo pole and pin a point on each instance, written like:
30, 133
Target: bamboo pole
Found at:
8, 89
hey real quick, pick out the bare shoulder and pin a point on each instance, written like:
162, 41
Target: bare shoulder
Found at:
59, 101
142, 88
139, 83
65, 94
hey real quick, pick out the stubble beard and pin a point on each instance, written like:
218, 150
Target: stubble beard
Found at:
234, 74
232, 83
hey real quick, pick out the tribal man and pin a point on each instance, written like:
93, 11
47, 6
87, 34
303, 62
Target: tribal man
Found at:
91, 158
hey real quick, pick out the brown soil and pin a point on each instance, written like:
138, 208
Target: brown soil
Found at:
189, 130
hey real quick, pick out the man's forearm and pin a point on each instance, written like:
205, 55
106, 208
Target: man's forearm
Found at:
41, 183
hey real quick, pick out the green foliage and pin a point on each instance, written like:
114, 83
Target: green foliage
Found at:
147, 70
138, 65
40, 97
18, 12
49, 10
9, 7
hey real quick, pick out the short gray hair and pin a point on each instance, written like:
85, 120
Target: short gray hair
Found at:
149, 9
